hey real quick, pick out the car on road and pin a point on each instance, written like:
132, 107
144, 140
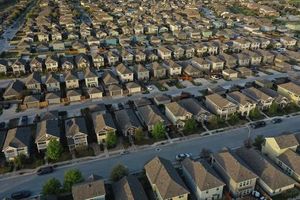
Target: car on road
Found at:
21, 194
124, 152
150, 88
2, 124
182, 156
45, 170
258, 124
157, 149
276, 120
24, 120
6, 106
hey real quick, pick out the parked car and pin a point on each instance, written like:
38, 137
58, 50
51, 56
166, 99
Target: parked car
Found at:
276, 120
124, 152
2, 124
45, 170
182, 156
6, 106
24, 120
150, 88
258, 124
21, 194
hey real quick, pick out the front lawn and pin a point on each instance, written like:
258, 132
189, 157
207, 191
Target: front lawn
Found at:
84, 152
255, 115
216, 122
237, 119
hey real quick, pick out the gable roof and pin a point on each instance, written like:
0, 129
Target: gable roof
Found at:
286, 141
167, 181
150, 114
202, 174
193, 106
121, 68
176, 109
14, 88
18, 137
74, 126
102, 121
33, 78
49, 127
290, 86
129, 188
218, 100
109, 78
126, 118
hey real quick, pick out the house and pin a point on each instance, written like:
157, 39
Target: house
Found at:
289, 163
4, 64
275, 146
103, 124
230, 74
51, 63
177, 51
255, 58
82, 61
203, 180
33, 82
164, 53
133, 88
192, 71
290, 90
157, 70
98, 60
238, 177
90, 78
177, 114
244, 71
173, 68
193, 106
229, 60
46, 131
52, 83
125, 74
71, 80
267, 57
32, 101
109, 78
36, 64
279, 99
129, 188
141, 72
220, 105
92, 188
74, 95
161, 99
242, 59
201, 64
262, 100
19, 66
95, 93
114, 90
150, 116
271, 178
244, 103
52, 98
288, 42
14, 90
127, 122
161, 173
216, 63
67, 63
17, 142
76, 133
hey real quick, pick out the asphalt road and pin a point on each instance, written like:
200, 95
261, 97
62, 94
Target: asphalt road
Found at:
136, 160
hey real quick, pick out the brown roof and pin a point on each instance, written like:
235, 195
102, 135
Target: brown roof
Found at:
18, 137
162, 173
129, 188
177, 109
202, 174
270, 174
233, 166
218, 100
286, 141
291, 159
290, 86
103, 121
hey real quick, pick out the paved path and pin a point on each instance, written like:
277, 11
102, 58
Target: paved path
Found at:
137, 159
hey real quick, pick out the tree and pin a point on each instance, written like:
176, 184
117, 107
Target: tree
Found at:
111, 139
139, 135
254, 113
72, 177
258, 141
54, 150
52, 187
215, 122
158, 131
273, 110
118, 172
20, 161
190, 125
233, 119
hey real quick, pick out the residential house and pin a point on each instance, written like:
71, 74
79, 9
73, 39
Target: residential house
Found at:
127, 121
14, 90
76, 133
82, 61
216, 63
52, 83
244, 103
202, 179
52, 98
262, 100
275, 146
229, 60
74, 95
51, 63
33, 82
279, 99
177, 51
71, 80
150, 116
19, 66
32, 101
111, 58
161, 173
125, 74
244, 71
129, 188
91, 78
192, 71
267, 57
255, 58
177, 114
290, 90
220, 105
36, 64
98, 60
288, 42
114, 90
4, 64
173, 68
91, 189
103, 124
133, 88
289, 162
141, 72
157, 70
193, 106
95, 93
201, 64
230, 74
164, 53
243, 59
271, 178
239, 179
18, 141
67, 63
46, 131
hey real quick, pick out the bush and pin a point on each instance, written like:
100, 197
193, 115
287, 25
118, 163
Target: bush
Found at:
118, 172
72, 177
52, 187
111, 140
159, 131
54, 150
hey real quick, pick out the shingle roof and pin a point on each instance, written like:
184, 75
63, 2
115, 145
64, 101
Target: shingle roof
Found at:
102, 121
176, 109
162, 173
129, 188
290, 86
193, 106
121, 68
291, 159
150, 114
18, 137
270, 174
14, 89
126, 118
220, 101
202, 174
49, 127
75, 125
285, 141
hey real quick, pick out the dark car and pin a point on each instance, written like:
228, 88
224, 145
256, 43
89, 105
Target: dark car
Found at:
276, 120
45, 170
6, 106
21, 194
24, 120
2, 124
258, 124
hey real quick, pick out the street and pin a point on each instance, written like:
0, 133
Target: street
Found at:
136, 160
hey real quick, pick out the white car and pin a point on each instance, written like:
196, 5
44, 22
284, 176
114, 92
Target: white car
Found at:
182, 156
150, 88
